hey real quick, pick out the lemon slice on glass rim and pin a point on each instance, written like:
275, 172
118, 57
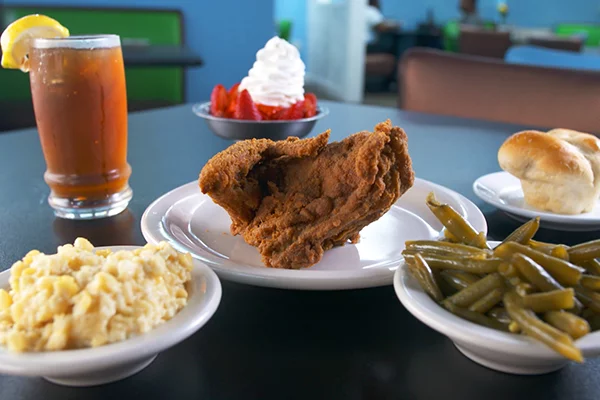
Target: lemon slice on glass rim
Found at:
16, 38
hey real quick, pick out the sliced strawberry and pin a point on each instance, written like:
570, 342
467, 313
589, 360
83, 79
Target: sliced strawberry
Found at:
233, 91
269, 112
310, 105
233, 97
245, 108
295, 111
280, 114
218, 101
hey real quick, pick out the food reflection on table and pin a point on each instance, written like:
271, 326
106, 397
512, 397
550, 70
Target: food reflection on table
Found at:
85, 297
295, 199
550, 292
121, 229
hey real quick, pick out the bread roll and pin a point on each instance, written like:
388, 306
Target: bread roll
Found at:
559, 170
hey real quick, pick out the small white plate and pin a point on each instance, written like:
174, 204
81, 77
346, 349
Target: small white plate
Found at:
116, 361
503, 191
501, 351
191, 222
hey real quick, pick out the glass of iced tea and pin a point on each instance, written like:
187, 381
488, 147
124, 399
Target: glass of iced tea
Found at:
80, 104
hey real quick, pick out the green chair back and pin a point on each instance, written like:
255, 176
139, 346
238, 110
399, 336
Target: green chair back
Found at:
451, 32
592, 32
155, 27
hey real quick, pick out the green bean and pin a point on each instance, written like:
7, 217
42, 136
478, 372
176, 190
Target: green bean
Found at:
459, 227
418, 266
538, 277
524, 288
500, 315
589, 298
513, 327
594, 321
555, 250
569, 323
448, 237
563, 271
476, 291
488, 301
438, 253
532, 326
585, 251
458, 279
537, 244
467, 264
508, 271
474, 317
445, 248
591, 266
591, 282
561, 252
525, 232
587, 313
535, 274
550, 301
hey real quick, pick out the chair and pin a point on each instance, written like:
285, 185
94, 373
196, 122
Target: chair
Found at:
572, 44
482, 88
480, 42
380, 64
381, 60
542, 57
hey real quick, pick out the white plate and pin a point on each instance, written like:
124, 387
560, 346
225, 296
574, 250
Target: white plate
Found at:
506, 352
191, 222
503, 191
115, 361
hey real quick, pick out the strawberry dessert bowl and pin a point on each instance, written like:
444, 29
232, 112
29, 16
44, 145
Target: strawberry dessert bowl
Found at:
268, 103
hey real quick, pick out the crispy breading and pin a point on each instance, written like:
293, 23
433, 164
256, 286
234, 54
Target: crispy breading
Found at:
295, 199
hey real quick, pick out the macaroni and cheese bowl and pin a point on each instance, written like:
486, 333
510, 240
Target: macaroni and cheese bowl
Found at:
87, 316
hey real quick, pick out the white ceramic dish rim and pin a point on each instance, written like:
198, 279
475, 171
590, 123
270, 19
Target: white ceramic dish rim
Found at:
65, 362
201, 110
482, 191
306, 279
418, 303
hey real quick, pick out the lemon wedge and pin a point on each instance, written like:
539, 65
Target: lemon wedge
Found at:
16, 38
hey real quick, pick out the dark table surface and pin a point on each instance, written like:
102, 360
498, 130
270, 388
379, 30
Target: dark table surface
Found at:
277, 344
159, 56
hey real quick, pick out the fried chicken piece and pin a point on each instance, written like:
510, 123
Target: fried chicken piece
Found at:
297, 198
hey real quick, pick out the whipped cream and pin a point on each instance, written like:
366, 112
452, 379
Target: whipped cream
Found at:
277, 76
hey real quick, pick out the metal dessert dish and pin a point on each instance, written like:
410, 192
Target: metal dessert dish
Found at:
235, 129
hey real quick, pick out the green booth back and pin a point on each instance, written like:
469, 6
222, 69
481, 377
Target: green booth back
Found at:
155, 27
592, 32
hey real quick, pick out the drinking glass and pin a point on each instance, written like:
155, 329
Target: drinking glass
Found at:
80, 104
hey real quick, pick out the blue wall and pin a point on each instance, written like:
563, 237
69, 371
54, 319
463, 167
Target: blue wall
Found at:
527, 13
296, 11
225, 33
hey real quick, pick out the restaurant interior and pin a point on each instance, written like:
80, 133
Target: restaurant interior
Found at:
172, 55
300, 199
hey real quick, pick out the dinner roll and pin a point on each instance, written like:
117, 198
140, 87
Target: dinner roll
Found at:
559, 170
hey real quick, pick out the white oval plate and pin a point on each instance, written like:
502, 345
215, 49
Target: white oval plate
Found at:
503, 191
115, 361
191, 222
501, 351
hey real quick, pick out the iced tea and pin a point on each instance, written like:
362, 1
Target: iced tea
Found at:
80, 103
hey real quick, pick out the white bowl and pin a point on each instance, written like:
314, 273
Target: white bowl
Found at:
501, 351
115, 361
